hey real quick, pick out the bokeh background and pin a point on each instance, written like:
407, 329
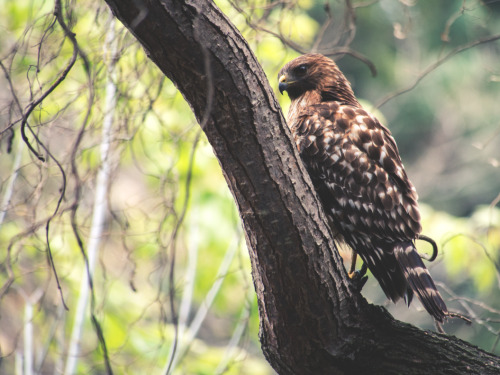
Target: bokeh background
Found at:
131, 193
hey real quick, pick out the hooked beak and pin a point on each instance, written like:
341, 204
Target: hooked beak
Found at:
283, 85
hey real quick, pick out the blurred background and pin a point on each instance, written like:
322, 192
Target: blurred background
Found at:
131, 193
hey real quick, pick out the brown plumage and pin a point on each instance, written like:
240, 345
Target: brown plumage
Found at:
355, 166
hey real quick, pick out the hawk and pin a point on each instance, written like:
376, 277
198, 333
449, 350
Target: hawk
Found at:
358, 174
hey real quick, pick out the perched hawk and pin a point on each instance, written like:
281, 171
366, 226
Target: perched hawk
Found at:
356, 169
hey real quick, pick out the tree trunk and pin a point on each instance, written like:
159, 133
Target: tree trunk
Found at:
312, 319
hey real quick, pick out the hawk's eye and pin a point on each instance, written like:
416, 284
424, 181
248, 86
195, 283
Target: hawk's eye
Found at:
301, 70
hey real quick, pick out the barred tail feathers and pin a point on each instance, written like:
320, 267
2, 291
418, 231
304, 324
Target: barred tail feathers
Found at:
386, 269
420, 280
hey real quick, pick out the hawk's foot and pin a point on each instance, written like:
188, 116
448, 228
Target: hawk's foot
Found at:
359, 278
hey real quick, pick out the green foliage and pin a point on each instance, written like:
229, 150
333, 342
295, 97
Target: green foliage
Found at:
167, 194
470, 246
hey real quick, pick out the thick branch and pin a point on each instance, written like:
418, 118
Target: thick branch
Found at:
312, 322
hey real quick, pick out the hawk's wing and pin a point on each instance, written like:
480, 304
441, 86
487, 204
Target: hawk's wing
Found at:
358, 171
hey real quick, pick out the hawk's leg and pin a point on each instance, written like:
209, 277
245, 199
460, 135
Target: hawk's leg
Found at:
353, 264
358, 278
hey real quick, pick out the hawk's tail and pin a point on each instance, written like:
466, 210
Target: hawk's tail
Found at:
420, 280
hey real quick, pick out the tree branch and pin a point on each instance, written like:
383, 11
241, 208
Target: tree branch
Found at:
312, 320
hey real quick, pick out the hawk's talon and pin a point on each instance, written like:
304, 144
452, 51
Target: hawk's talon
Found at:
359, 278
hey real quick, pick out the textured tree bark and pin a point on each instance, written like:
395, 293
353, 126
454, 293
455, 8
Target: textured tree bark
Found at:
312, 320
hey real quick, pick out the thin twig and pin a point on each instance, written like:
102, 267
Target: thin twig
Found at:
435, 65
173, 252
99, 211
324, 27
200, 315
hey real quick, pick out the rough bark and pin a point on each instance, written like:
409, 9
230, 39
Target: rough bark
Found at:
312, 320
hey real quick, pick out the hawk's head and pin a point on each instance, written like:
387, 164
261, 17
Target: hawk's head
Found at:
317, 73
